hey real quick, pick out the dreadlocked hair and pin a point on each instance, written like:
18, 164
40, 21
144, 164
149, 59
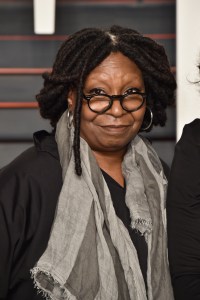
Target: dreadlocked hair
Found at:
86, 49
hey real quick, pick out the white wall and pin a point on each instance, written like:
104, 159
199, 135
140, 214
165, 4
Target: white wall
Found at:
188, 57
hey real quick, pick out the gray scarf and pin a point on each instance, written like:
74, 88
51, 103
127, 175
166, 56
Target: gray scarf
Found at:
90, 254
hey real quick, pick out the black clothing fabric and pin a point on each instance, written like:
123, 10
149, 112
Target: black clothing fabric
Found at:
118, 197
29, 190
183, 212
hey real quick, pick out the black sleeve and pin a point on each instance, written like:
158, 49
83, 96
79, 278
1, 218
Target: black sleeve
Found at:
10, 217
28, 198
18, 223
20, 213
183, 213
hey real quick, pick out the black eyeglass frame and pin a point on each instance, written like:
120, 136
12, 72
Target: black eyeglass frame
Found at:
112, 98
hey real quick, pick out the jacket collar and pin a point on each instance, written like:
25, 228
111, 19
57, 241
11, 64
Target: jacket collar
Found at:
45, 142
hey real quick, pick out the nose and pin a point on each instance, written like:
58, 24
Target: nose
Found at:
116, 108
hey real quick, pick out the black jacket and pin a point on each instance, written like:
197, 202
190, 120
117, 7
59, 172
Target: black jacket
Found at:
183, 212
29, 189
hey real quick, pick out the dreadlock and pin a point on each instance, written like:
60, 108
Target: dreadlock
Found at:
86, 49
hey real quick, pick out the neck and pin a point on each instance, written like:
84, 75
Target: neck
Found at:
111, 163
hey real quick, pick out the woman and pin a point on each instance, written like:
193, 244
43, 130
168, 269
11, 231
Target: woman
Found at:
104, 183
183, 210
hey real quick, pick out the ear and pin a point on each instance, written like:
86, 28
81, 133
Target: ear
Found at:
71, 99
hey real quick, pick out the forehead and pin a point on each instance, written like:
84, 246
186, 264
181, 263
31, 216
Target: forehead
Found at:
114, 66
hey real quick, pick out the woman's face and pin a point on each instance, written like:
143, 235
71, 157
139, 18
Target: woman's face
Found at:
114, 129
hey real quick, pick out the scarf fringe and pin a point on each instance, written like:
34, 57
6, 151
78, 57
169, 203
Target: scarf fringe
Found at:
46, 294
142, 225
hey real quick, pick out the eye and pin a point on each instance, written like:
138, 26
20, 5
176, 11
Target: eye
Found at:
96, 91
132, 90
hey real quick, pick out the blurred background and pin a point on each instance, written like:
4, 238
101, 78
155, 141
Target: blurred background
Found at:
25, 55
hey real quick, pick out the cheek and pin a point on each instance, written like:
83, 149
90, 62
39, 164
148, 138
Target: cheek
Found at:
87, 123
138, 116
87, 116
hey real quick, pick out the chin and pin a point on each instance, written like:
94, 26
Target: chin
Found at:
113, 147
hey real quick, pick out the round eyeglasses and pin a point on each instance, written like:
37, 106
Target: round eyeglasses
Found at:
130, 101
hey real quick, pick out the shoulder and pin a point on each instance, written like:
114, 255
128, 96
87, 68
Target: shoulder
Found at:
185, 168
194, 125
36, 170
191, 132
188, 147
33, 160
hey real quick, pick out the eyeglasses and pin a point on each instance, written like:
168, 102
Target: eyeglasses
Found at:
130, 101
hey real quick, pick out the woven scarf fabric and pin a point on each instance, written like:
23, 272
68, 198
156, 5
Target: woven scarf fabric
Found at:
90, 254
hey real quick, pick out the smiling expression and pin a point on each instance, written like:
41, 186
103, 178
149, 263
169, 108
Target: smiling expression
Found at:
114, 129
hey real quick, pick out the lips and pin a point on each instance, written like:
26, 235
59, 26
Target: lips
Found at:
115, 128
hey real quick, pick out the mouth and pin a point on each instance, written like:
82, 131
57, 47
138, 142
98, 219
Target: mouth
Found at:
115, 128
